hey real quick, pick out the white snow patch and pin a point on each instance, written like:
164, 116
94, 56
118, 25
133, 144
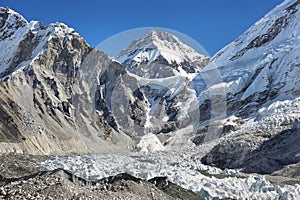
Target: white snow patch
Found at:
150, 143
259, 85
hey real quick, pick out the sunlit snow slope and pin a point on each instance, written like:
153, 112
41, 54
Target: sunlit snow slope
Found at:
161, 54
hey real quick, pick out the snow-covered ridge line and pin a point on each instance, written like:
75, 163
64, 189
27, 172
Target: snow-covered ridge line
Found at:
158, 39
163, 48
16, 30
265, 58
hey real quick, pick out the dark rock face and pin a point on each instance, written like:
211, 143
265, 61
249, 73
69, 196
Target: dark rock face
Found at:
138, 106
173, 190
267, 154
10, 130
29, 43
275, 153
159, 68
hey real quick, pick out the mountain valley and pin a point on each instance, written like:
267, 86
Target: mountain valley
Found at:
226, 126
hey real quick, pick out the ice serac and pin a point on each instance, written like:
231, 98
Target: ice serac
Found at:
261, 71
161, 54
47, 100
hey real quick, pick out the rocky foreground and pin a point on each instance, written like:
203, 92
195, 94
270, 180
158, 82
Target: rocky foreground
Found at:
20, 179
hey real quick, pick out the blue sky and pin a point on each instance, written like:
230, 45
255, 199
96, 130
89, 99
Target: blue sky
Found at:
212, 23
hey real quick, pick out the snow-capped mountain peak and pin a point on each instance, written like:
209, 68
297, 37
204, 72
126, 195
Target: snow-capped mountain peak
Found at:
162, 48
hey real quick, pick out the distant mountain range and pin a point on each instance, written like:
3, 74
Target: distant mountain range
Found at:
61, 96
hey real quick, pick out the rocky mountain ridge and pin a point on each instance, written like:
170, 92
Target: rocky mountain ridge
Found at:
42, 103
62, 104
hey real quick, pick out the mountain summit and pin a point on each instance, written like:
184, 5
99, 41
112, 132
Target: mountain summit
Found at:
161, 54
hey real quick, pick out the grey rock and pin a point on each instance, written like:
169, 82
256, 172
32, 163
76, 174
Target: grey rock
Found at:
257, 152
53, 97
